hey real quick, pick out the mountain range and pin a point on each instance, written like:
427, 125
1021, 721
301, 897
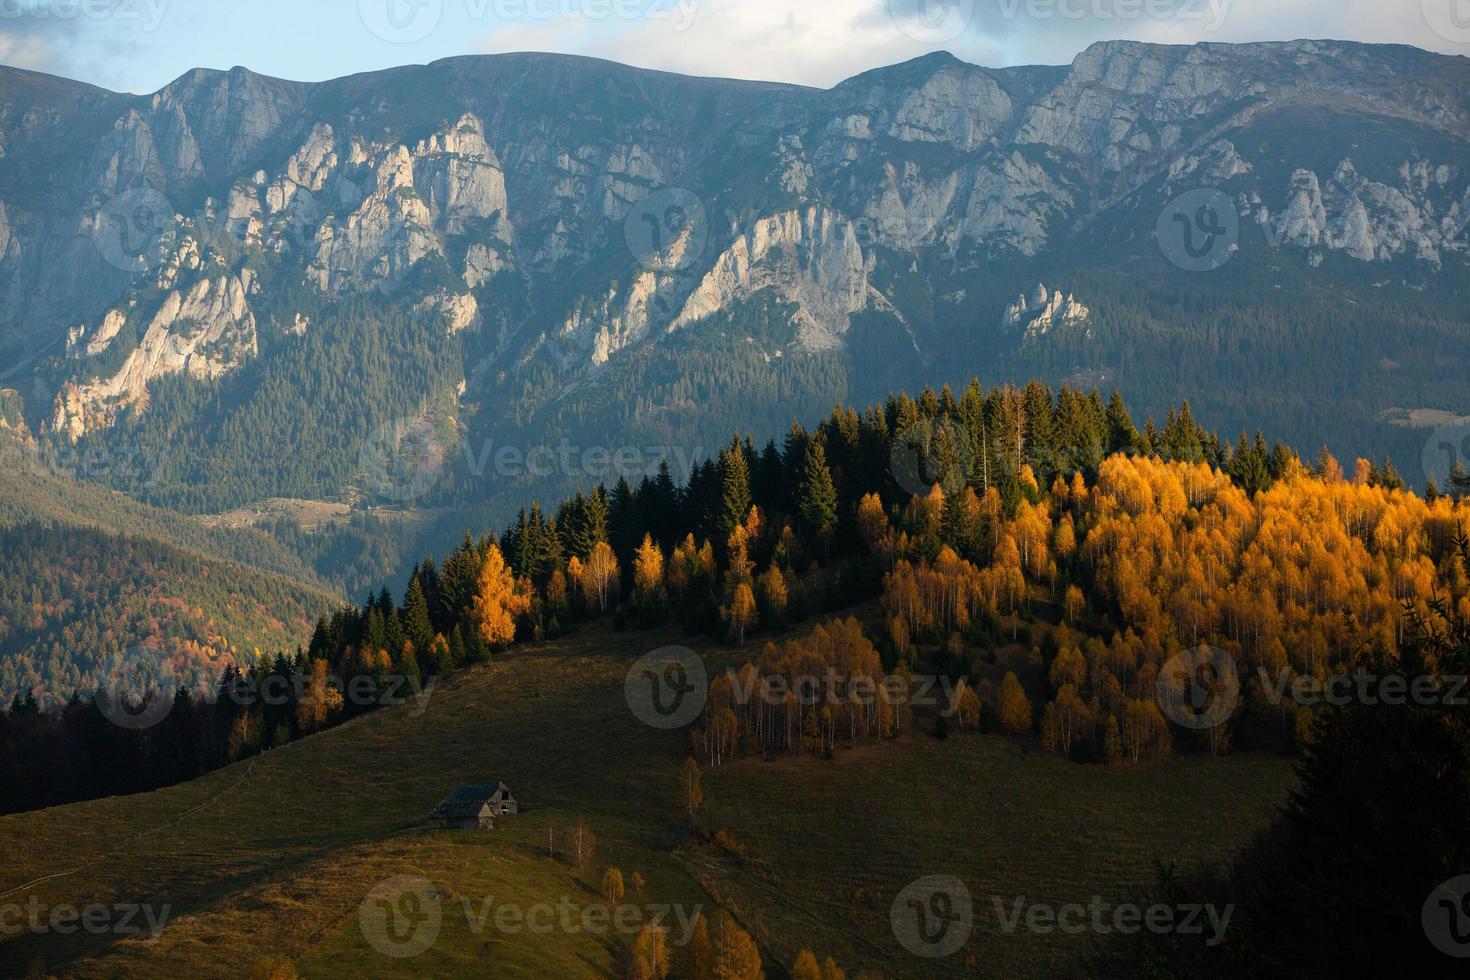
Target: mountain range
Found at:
435, 292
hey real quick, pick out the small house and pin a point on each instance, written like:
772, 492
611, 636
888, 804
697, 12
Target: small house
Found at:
475, 807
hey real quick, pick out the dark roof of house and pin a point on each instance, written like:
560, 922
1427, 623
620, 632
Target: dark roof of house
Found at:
467, 800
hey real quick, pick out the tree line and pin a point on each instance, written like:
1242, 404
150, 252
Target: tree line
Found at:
968, 515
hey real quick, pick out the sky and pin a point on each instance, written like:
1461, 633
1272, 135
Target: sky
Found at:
141, 45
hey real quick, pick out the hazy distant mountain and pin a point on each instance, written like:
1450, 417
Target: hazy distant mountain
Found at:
249, 277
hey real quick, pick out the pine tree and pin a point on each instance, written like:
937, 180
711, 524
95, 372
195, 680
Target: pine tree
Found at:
1040, 437
958, 527
416, 624
1459, 482
735, 482
1122, 434
816, 496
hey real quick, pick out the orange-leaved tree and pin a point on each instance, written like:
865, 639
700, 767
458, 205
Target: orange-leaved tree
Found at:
499, 600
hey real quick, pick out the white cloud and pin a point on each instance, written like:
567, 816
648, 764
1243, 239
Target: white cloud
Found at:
806, 43
27, 51
822, 43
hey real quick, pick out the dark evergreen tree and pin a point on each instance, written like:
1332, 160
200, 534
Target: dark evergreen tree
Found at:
816, 496
1123, 437
417, 625
735, 499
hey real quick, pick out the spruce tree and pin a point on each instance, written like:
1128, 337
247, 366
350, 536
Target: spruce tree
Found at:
416, 623
735, 496
1459, 481
816, 496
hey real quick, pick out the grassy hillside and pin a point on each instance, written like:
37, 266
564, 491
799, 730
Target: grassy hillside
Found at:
273, 857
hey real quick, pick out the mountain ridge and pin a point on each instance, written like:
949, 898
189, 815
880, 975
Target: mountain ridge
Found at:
490, 247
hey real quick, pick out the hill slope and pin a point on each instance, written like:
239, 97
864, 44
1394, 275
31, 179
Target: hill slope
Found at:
83, 609
33, 491
99, 587
289, 845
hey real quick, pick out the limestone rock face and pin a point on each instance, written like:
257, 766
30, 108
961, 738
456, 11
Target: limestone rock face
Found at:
204, 332
595, 331
502, 195
460, 179
1216, 164
1043, 312
810, 257
458, 310
481, 263
111, 324
1371, 221
384, 236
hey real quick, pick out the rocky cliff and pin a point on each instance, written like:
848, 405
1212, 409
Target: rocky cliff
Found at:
199, 229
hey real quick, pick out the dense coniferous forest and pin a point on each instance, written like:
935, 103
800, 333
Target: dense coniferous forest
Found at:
37, 487
83, 610
963, 524
216, 446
